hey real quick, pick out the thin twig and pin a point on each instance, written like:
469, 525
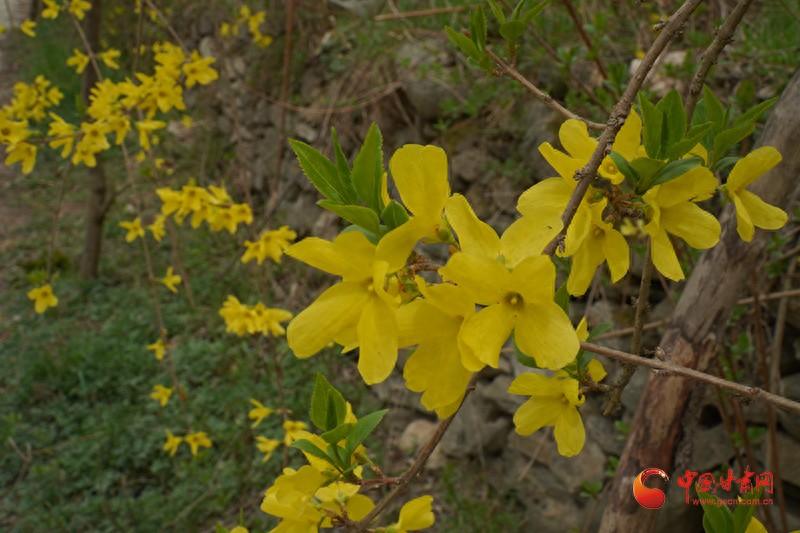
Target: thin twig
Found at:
642, 303
548, 100
420, 13
419, 463
586, 175
286, 72
711, 54
682, 371
593, 53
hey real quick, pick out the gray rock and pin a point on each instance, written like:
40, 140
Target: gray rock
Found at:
470, 164
478, 430
710, 447
788, 452
632, 393
415, 435
420, 64
496, 392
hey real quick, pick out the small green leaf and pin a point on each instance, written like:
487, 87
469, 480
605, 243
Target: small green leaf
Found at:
394, 214
672, 170
653, 120
728, 138
627, 170
356, 214
310, 448
318, 169
497, 11
741, 517
714, 110
755, 112
362, 429
528, 16
716, 518
725, 163
646, 168
477, 27
674, 123
692, 138
512, 30
322, 397
338, 433
465, 44
562, 297
345, 187
368, 170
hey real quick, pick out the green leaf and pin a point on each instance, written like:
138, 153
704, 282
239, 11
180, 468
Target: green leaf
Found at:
716, 518
528, 16
728, 138
562, 297
343, 171
674, 122
755, 112
323, 397
741, 517
477, 27
465, 44
497, 11
627, 170
725, 163
652, 119
672, 170
599, 329
362, 429
356, 214
394, 214
318, 169
693, 136
646, 168
338, 433
368, 170
310, 448
512, 30
714, 110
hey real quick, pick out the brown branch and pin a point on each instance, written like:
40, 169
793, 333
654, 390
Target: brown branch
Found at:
419, 463
593, 53
613, 400
711, 54
548, 100
686, 372
420, 13
585, 175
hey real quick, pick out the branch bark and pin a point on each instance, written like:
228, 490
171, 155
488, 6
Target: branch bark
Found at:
704, 306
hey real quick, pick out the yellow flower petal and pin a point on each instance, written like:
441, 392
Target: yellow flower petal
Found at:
565, 165
485, 280
416, 514
475, 236
753, 166
574, 137
544, 332
664, 257
337, 308
697, 227
395, 246
485, 332
420, 174
527, 236
350, 255
535, 278
569, 432
546, 199
629, 138
696, 185
533, 384
537, 413
617, 254
762, 214
377, 341
596, 370
584, 265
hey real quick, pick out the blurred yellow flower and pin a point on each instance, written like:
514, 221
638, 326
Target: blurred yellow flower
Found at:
171, 280
172, 443
198, 440
43, 298
161, 394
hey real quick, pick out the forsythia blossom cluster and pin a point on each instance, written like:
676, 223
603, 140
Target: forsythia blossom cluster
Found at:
496, 286
270, 244
252, 20
211, 205
242, 319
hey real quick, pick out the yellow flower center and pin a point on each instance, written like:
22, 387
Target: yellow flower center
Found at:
514, 299
610, 167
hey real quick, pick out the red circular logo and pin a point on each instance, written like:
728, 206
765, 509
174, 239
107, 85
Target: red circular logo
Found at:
649, 497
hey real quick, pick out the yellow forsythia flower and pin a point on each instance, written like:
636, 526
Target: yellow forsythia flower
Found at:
594, 367
134, 229
673, 210
415, 515
554, 402
79, 8
28, 27
171, 280
161, 394
290, 498
109, 58
78, 60
199, 70
23, 153
50, 10
243, 320
172, 443
270, 244
266, 446
62, 133
197, 440
338, 496
157, 228
43, 298
259, 412
751, 211
146, 127
292, 429
158, 348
